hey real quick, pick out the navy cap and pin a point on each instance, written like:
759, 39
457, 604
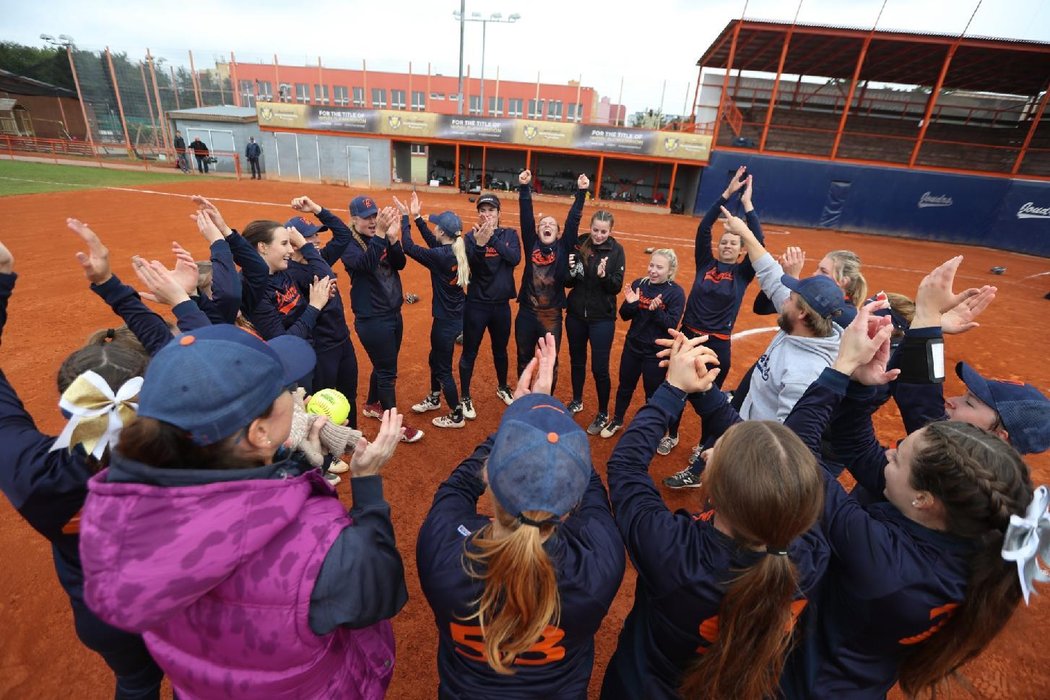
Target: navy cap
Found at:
448, 222
1023, 410
215, 380
363, 207
541, 459
304, 227
820, 292
488, 198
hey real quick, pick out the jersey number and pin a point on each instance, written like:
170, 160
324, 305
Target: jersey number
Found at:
471, 643
944, 612
709, 627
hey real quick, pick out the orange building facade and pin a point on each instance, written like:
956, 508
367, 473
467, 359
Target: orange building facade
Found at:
420, 92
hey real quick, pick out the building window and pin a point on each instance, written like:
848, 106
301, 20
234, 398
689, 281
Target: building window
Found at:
284, 92
419, 149
247, 93
437, 95
342, 96
514, 107
359, 97
379, 98
419, 100
265, 90
453, 97
554, 110
321, 94
575, 112
536, 109
496, 106
397, 99
302, 93
475, 104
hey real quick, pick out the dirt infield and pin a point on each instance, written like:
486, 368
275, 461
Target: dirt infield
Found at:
52, 312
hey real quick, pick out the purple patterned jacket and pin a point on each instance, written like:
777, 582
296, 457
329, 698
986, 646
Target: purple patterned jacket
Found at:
217, 577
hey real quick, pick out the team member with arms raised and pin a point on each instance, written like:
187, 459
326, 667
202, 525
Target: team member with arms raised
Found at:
719, 286
519, 597
547, 251
717, 594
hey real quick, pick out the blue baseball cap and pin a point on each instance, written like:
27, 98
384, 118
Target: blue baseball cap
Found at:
541, 459
215, 380
448, 222
1023, 410
304, 227
820, 292
363, 207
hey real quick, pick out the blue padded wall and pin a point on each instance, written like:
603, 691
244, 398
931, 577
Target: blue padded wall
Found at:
988, 211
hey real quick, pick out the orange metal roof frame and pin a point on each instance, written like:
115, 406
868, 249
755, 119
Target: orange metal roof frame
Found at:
1004, 66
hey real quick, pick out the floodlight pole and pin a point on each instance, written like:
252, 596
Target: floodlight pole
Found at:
462, 17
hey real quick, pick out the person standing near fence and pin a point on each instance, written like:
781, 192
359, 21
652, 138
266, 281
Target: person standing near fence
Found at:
200, 152
252, 152
180, 152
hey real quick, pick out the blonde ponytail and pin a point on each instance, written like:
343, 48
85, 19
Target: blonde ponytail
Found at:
459, 249
520, 598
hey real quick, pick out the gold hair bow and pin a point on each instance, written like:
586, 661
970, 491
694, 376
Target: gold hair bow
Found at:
96, 414
1027, 541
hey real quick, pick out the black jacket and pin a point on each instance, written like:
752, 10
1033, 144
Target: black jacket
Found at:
593, 298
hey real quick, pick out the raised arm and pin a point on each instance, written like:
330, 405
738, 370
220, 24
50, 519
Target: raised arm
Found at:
148, 326
571, 233
525, 215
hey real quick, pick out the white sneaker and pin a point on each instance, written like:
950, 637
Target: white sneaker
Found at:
468, 408
431, 403
449, 421
338, 467
504, 393
333, 479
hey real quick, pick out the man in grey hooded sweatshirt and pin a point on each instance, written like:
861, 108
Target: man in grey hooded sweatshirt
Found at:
808, 339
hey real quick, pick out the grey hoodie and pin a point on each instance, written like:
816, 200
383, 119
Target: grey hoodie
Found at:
790, 363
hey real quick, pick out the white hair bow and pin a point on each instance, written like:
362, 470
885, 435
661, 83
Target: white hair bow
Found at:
96, 414
1027, 541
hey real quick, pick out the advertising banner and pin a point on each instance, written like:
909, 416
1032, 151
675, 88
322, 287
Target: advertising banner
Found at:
529, 133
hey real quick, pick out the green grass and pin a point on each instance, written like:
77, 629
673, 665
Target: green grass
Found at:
17, 177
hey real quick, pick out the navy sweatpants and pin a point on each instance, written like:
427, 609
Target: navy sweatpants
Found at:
381, 336
635, 364
443, 333
722, 348
138, 675
337, 369
600, 335
529, 326
477, 318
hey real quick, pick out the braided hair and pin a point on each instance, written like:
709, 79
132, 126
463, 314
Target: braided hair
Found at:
981, 481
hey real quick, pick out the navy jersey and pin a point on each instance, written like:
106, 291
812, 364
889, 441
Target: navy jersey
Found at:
225, 299
330, 328
649, 321
492, 266
374, 276
714, 300
892, 583
588, 557
255, 273
684, 564
546, 266
448, 296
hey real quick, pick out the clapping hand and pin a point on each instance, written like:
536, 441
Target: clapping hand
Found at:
369, 457
95, 262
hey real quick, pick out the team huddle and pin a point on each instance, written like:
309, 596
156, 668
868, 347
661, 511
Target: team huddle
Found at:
191, 506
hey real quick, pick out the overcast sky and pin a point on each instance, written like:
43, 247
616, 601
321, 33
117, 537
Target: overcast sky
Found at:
642, 43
